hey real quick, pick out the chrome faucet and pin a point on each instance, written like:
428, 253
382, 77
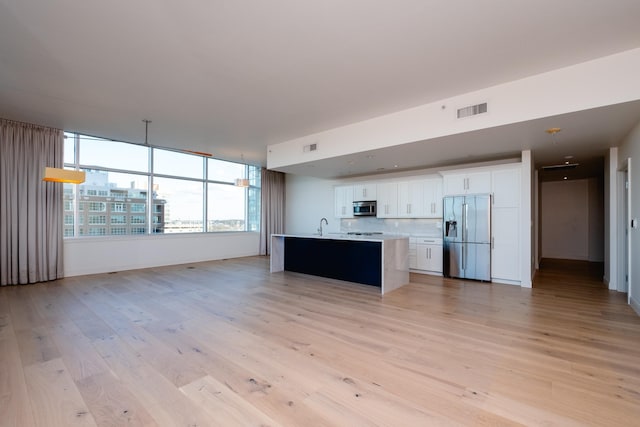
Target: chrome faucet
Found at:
325, 221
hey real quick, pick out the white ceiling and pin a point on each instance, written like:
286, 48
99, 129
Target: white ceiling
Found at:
231, 77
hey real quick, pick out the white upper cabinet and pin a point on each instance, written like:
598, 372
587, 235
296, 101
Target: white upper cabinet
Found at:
467, 182
343, 201
433, 198
411, 199
364, 192
387, 200
505, 186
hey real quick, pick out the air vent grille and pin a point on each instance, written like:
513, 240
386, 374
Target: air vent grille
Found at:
472, 110
310, 147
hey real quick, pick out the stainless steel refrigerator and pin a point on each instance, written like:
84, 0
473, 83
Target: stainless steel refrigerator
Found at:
467, 236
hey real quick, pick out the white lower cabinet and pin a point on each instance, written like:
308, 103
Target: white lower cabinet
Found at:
428, 255
505, 245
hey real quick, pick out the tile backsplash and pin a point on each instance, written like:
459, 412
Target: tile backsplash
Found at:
431, 227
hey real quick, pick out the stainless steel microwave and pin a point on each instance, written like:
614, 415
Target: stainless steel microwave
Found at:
367, 208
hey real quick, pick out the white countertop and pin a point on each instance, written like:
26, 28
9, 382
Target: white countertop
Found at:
344, 236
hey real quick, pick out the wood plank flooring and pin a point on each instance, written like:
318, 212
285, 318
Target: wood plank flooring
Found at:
226, 343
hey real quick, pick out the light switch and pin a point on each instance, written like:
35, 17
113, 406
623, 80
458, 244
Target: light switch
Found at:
634, 223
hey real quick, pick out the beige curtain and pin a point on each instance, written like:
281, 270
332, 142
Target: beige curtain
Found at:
30, 210
272, 208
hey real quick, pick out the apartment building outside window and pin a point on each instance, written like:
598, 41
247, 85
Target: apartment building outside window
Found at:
185, 193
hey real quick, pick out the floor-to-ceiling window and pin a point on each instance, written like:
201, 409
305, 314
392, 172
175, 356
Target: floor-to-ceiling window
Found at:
132, 189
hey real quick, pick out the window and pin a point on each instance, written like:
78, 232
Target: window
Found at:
118, 207
118, 219
183, 204
225, 210
138, 219
97, 231
138, 207
127, 185
97, 206
167, 162
97, 219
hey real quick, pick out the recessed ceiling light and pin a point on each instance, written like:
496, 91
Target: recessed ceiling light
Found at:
395, 166
553, 131
564, 177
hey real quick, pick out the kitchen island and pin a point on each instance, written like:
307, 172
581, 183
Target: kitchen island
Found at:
377, 260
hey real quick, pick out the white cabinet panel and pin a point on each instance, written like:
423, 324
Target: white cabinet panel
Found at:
433, 198
364, 192
429, 257
505, 253
467, 183
387, 200
343, 201
505, 186
411, 199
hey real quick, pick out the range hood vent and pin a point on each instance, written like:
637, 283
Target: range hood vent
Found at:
564, 166
472, 110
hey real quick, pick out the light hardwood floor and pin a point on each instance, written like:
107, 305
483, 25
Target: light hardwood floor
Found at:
227, 343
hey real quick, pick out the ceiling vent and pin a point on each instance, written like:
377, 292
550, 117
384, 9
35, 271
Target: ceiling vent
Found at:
310, 147
472, 110
563, 166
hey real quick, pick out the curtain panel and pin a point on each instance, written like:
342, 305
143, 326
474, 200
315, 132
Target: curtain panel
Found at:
31, 210
272, 208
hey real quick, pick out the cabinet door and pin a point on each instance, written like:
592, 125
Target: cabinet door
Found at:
467, 183
387, 200
479, 182
411, 199
454, 184
505, 186
435, 258
505, 253
429, 258
343, 197
364, 192
433, 198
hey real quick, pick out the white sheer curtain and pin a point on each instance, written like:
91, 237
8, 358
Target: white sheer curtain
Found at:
30, 210
272, 208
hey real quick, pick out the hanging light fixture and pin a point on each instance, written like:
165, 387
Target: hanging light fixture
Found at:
242, 182
63, 175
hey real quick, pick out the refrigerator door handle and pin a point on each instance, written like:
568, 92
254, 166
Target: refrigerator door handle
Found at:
464, 259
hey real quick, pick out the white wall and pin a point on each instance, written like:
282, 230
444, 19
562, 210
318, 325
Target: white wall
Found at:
307, 201
91, 255
630, 149
611, 80
572, 222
